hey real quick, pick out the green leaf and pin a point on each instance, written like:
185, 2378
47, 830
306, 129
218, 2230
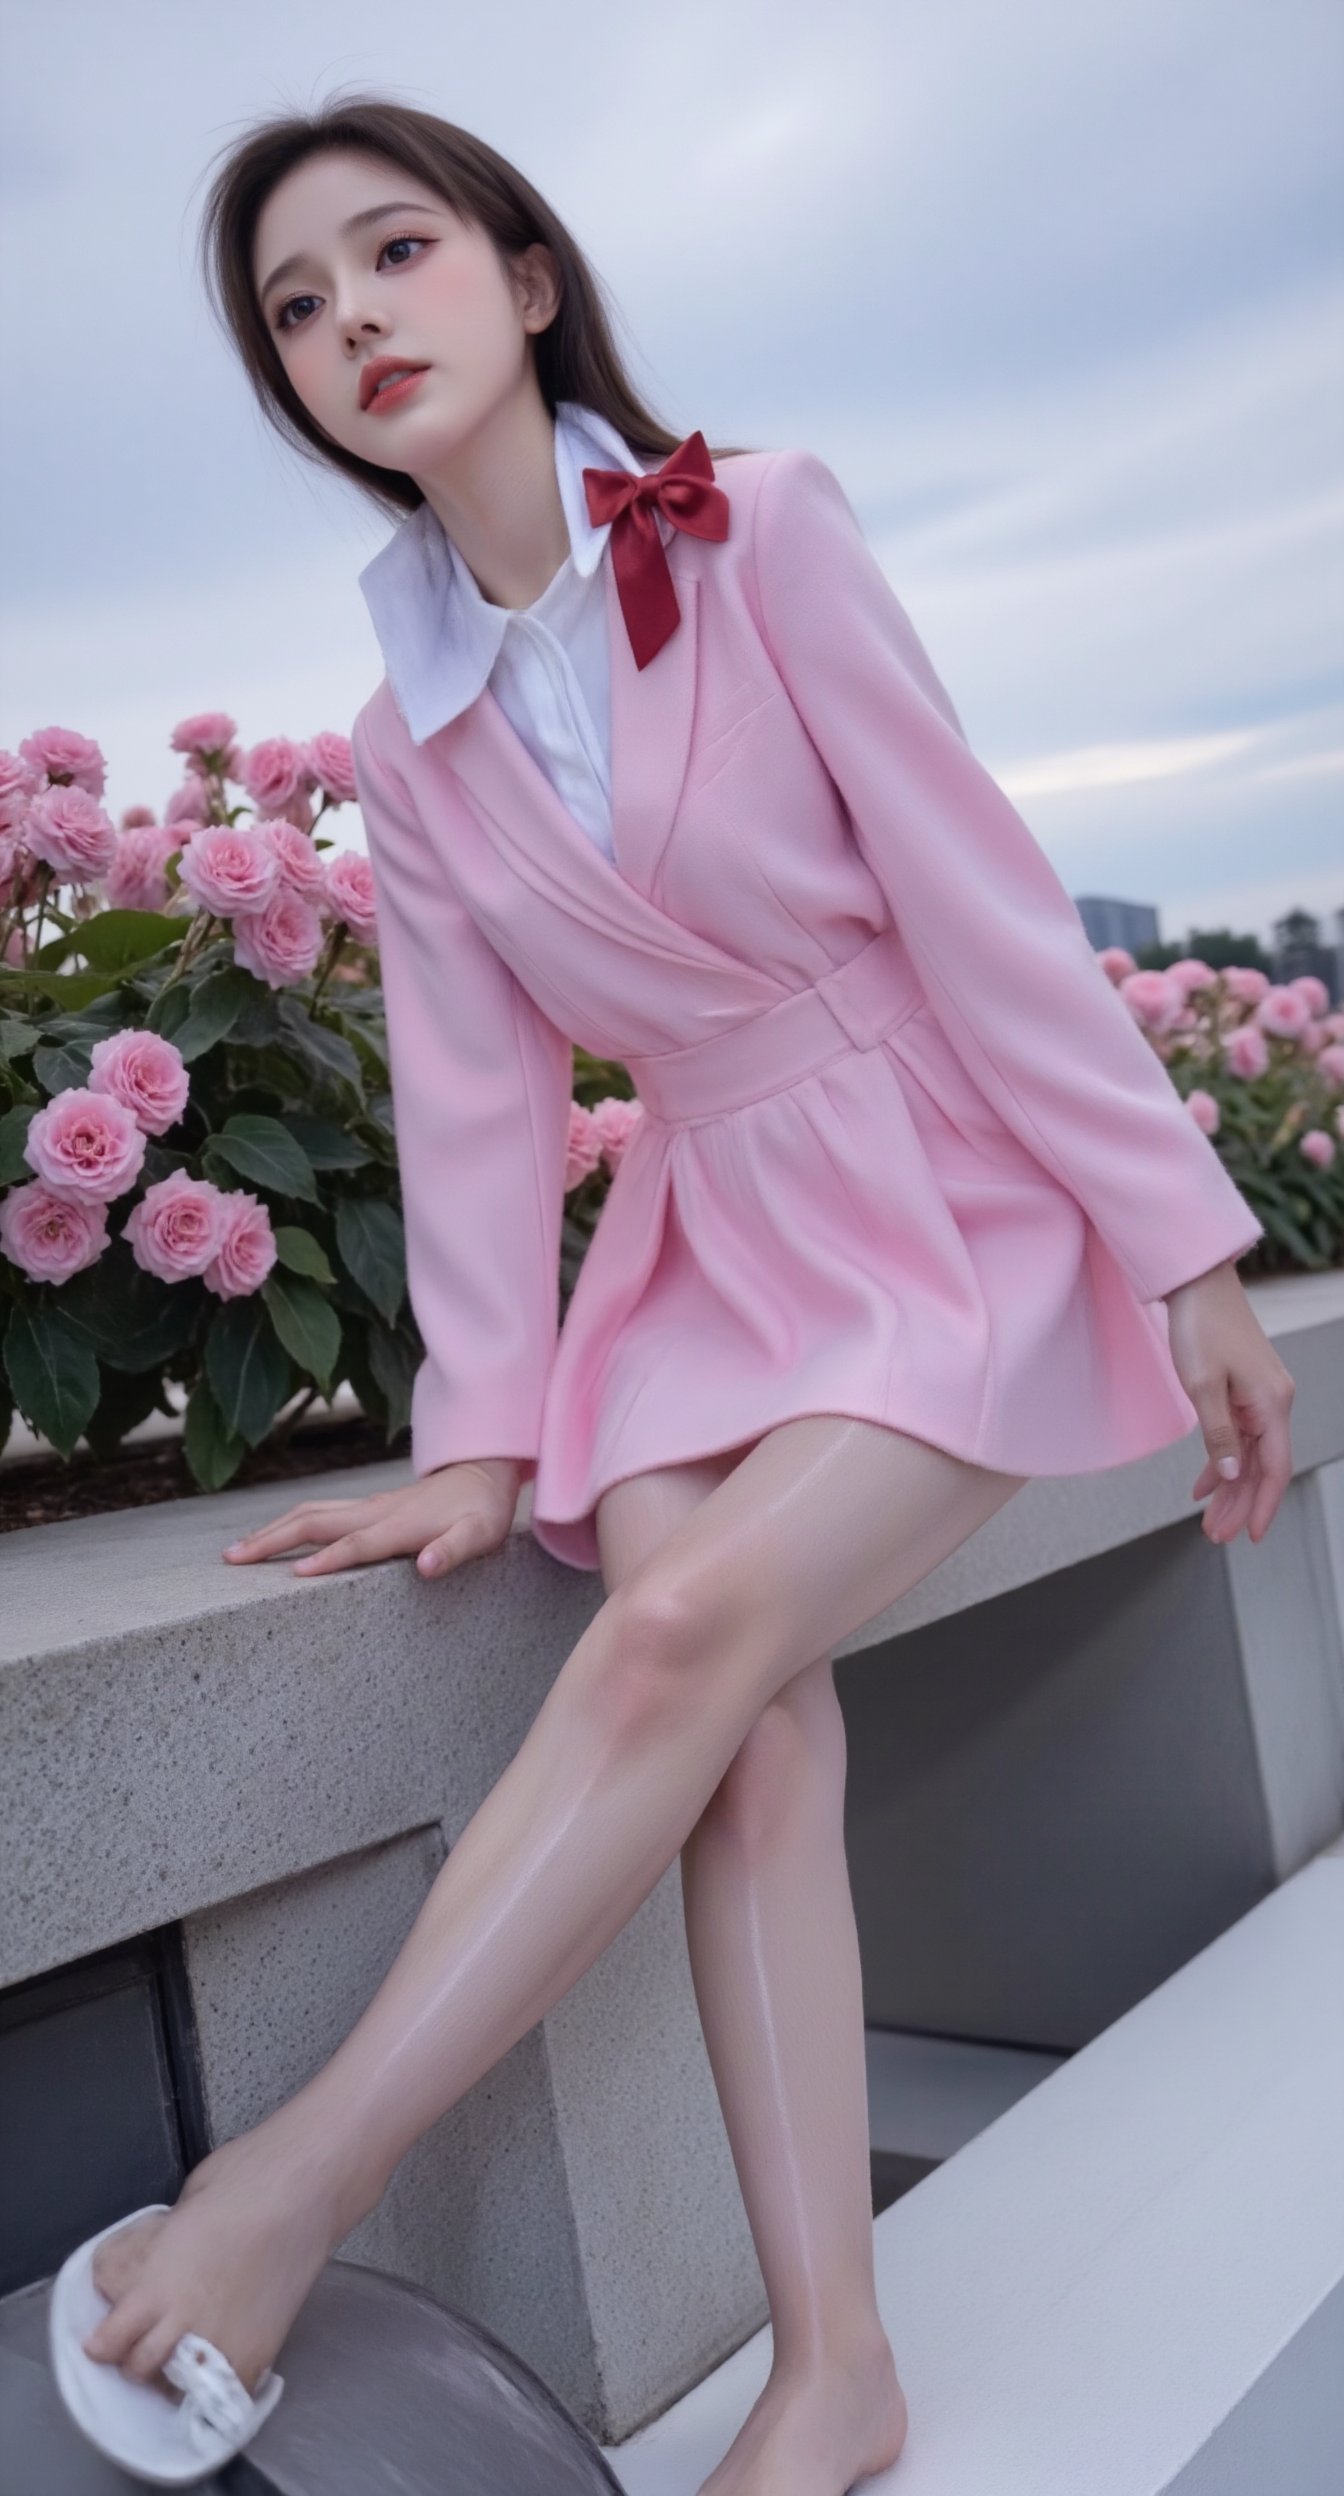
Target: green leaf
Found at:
259, 1020
303, 1254
124, 1401
131, 1320
213, 1451
248, 1369
306, 1324
118, 940
262, 1150
13, 1131
70, 988
168, 1011
53, 1373
17, 1038
215, 1008
328, 1147
60, 1068
394, 1363
372, 1242
324, 1051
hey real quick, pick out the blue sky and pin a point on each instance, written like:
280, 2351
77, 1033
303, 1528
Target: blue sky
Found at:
1058, 292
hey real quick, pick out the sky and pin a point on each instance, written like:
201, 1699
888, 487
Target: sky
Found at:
1058, 292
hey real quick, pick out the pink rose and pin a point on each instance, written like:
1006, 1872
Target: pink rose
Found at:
138, 876
330, 763
63, 755
146, 1074
1246, 1052
1246, 985
1116, 963
350, 894
300, 865
585, 1145
85, 1144
1204, 1110
189, 804
133, 818
68, 830
1153, 999
616, 1121
19, 783
281, 943
273, 772
1313, 1040
1339, 1119
228, 868
1334, 1024
1317, 1147
1330, 1063
1313, 992
1284, 1012
204, 733
50, 1237
1190, 973
246, 1250
177, 1228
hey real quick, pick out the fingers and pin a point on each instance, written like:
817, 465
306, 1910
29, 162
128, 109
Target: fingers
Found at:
314, 1521
467, 1536
1276, 1470
383, 1538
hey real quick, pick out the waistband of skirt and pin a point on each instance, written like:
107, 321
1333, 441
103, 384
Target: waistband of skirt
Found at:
852, 1006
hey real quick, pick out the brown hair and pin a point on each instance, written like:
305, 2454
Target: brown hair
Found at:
576, 355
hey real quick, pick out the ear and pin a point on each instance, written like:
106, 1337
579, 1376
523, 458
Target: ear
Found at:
536, 277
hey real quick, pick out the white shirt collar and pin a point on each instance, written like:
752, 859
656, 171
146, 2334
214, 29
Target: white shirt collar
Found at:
439, 637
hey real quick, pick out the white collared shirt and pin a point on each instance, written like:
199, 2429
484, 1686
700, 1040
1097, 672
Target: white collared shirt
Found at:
547, 665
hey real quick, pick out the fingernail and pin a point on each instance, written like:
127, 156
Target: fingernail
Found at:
429, 1564
1229, 1467
231, 1550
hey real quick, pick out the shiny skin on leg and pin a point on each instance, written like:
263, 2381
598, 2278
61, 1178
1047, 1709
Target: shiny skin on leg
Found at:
816, 1530
775, 1963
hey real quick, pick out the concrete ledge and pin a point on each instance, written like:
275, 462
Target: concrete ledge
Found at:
1132, 2283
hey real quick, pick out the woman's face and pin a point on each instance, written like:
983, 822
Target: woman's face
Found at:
382, 266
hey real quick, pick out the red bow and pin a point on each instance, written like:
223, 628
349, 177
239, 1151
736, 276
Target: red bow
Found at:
684, 489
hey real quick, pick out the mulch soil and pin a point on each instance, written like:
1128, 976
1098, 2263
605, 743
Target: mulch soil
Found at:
46, 1491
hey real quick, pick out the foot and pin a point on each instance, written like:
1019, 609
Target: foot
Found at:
233, 2260
818, 2433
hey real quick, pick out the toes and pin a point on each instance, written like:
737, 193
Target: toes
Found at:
149, 2353
118, 2332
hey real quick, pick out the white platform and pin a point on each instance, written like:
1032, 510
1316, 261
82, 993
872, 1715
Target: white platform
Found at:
1132, 2282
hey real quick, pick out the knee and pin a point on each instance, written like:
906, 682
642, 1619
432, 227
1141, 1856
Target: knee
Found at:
664, 1645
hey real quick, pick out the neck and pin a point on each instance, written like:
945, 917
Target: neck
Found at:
498, 500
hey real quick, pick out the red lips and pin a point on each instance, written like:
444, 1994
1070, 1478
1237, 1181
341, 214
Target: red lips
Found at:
378, 370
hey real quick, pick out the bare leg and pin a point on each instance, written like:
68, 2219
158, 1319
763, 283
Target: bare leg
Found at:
822, 1525
775, 1960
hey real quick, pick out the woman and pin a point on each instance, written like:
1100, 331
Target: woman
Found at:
913, 1212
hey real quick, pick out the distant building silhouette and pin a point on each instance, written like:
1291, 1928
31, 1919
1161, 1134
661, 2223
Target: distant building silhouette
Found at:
1298, 948
1109, 922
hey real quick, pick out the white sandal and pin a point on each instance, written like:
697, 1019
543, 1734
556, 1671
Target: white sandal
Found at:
164, 2443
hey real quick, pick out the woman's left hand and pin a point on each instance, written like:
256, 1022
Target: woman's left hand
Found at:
1242, 1393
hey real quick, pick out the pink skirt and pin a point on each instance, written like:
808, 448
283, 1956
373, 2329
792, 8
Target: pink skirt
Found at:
819, 1212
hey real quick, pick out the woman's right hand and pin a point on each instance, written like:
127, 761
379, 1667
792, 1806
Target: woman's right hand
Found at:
455, 1514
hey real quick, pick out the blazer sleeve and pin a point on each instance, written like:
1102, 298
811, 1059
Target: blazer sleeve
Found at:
1002, 954
481, 1087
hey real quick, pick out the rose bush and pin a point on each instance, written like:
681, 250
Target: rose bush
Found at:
198, 1177
1260, 1068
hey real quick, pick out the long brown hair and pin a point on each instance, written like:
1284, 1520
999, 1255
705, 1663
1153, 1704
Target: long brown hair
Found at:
576, 355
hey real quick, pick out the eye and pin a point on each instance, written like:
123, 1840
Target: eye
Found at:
282, 320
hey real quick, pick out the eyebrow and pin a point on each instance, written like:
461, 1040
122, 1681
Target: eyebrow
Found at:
352, 225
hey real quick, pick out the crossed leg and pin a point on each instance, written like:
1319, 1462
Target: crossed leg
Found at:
775, 1961
819, 1527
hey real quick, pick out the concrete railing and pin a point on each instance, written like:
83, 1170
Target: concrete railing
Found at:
1086, 1687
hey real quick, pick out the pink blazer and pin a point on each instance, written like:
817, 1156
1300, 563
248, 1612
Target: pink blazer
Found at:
790, 780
